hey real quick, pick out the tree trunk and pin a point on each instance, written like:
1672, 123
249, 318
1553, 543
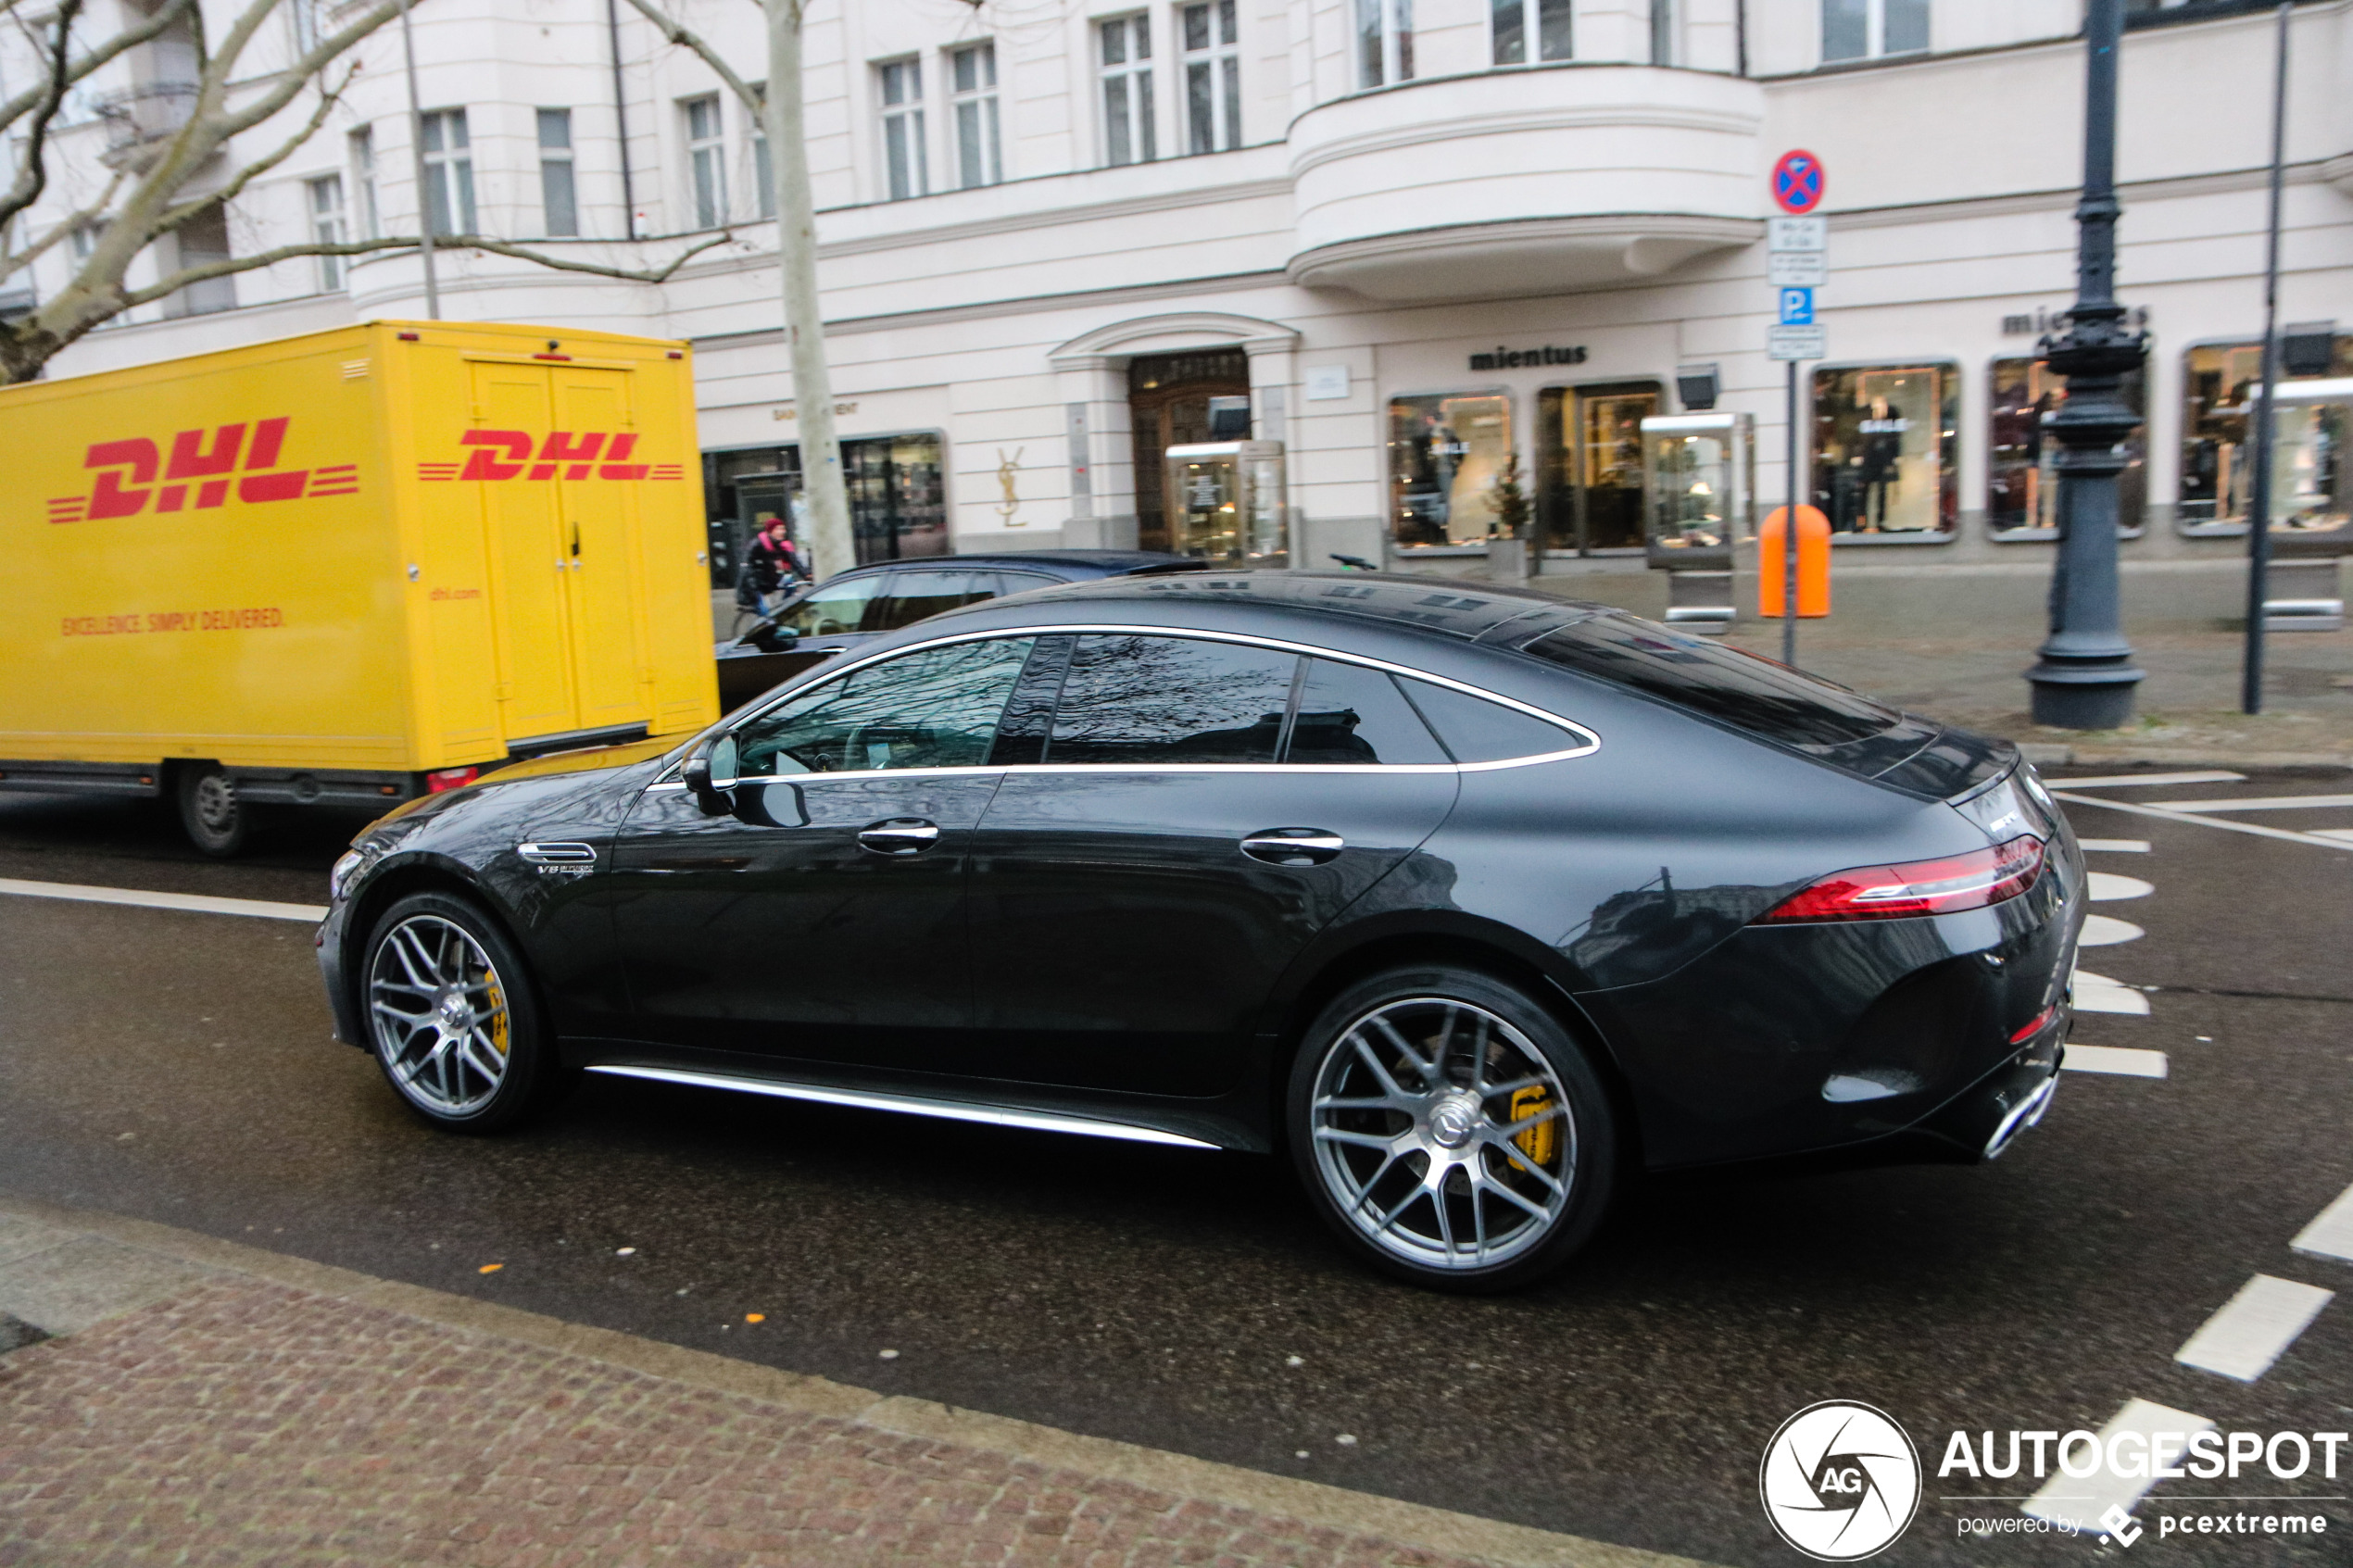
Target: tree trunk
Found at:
830, 545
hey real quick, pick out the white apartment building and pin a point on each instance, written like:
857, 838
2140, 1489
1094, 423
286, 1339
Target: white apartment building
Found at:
1409, 239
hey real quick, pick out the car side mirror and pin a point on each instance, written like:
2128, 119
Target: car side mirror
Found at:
710, 775
769, 637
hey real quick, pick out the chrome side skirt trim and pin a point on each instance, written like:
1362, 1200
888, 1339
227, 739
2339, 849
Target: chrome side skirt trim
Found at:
913, 1105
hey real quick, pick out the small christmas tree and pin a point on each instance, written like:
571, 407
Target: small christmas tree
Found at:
1511, 500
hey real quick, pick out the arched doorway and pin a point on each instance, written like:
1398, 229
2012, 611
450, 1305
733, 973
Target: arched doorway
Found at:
1174, 399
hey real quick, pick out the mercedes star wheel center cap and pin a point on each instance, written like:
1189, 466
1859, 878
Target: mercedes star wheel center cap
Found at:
1452, 1120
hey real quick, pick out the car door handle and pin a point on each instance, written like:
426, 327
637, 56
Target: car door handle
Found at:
1293, 847
901, 836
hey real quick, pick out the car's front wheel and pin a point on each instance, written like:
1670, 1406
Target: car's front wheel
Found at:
1451, 1130
452, 1016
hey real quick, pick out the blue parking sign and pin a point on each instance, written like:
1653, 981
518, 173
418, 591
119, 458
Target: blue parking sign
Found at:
1797, 308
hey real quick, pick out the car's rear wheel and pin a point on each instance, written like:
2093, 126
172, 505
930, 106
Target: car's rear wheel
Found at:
452, 1016
1451, 1130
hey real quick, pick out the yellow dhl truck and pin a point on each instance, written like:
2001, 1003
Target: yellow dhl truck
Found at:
349, 568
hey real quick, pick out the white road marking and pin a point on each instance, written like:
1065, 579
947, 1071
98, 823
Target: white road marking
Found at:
2080, 1500
2106, 931
199, 903
2259, 803
2130, 779
2120, 1059
2329, 1235
2343, 835
2113, 845
2334, 841
2109, 999
2255, 1327
2107, 887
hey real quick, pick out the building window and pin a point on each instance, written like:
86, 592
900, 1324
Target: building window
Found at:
84, 240
2219, 389
898, 496
363, 174
327, 227
1511, 18
1663, 49
2021, 479
1384, 42
1864, 29
304, 14
706, 160
1590, 494
200, 241
907, 165
1884, 453
449, 174
559, 209
1127, 90
1445, 454
972, 81
1212, 78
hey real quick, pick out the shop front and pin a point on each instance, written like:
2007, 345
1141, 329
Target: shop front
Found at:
898, 499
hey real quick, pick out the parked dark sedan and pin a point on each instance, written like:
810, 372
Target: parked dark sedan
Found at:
1470, 901
850, 608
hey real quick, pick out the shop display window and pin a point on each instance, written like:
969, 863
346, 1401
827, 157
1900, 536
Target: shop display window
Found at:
2021, 480
2218, 390
1445, 454
1885, 450
898, 499
1588, 465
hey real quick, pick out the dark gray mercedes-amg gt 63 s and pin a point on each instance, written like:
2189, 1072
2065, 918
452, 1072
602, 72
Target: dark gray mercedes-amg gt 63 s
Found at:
1469, 902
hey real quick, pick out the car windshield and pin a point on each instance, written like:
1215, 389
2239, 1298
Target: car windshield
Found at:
848, 604
1754, 694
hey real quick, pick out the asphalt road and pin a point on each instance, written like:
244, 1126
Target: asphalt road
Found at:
177, 1066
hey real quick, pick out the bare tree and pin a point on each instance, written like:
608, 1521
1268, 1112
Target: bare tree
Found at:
160, 182
831, 543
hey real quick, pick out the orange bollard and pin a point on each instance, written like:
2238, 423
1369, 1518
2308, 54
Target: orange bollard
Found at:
1813, 564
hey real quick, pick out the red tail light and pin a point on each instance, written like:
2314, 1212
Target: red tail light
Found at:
1920, 888
450, 778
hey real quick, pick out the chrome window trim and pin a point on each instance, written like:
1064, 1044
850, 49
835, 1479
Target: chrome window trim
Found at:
1590, 741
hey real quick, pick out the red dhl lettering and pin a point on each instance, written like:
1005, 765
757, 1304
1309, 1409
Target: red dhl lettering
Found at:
128, 473
500, 455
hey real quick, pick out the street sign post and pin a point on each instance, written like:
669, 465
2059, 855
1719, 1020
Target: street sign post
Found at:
1797, 262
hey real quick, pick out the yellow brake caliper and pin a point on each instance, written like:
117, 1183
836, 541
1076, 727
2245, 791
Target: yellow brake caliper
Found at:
1540, 1142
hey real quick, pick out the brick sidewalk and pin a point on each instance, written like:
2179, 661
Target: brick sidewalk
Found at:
236, 1418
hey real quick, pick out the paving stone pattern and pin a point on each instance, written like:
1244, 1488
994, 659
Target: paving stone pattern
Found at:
245, 1422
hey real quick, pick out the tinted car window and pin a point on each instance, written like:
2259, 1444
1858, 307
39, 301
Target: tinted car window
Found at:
1350, 714
850, 604
934, 708
1170, 699
917, 595
1475, 730
1732, 687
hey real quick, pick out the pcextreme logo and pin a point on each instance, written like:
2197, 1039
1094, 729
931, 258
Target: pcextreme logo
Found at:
515, 454
1841, 1481
197, 473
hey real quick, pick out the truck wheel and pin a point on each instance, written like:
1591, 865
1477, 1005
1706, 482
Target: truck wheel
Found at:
453, 1019
216, 820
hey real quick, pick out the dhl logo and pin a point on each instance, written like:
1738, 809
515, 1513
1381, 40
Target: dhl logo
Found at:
513, 454
128, 471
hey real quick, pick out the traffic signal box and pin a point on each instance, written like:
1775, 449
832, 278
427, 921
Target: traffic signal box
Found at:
1813, 564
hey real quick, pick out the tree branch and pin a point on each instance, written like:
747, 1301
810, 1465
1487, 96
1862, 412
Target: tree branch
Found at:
33, 177
11, 265
15, 108
678, 33
329, 98
235, 264
295, 75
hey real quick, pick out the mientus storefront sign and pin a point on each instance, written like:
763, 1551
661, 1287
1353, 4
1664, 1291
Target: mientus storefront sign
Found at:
1513, 358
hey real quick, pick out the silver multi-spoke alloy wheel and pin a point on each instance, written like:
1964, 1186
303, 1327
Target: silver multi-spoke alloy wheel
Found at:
1444, 1134
439, 1012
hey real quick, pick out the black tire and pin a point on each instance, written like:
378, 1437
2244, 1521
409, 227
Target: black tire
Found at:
1534, 1121
216, 822
475, 1009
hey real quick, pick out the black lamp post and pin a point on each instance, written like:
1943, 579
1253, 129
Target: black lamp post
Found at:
2085, 677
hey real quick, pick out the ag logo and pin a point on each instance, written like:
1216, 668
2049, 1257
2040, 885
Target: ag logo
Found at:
1840, 1481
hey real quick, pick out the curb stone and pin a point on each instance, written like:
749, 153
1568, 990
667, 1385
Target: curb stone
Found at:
165, 1250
